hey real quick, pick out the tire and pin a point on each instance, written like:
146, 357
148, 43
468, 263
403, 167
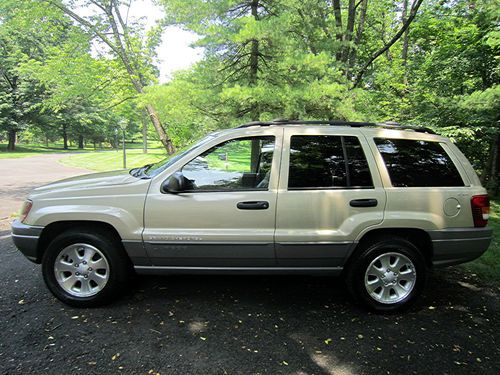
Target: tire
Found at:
85, 268
388, 275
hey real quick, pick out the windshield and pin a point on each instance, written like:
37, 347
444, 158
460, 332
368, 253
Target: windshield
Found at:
159, 167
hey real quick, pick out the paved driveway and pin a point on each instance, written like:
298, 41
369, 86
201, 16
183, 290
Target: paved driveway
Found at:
20, 176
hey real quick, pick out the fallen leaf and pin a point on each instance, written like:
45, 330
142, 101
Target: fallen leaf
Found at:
328, 341
21, 302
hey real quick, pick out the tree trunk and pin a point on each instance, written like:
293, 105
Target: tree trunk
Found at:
164, 139
80, 142
404, 52
144, 136
254, 60
46, 141
254, 53
12, 140
351, 16
359, 33
413, 12
65, 136
338, 27
493, 169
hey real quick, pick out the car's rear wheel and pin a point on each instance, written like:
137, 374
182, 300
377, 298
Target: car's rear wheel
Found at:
84, 269
387, 275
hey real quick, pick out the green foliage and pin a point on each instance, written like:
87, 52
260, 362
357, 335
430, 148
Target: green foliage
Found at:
488, 265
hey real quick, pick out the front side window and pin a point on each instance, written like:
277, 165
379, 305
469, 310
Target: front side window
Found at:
327, 162
238, 164
413, 163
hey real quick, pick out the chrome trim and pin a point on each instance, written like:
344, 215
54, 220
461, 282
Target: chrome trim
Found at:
462, 239
24, 236
184, 243
314, 243
237, 268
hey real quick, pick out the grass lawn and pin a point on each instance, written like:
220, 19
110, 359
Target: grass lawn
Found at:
112, 160
23, 151
487, 267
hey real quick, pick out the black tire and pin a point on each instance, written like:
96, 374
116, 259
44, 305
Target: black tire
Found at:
117, 266
368, 253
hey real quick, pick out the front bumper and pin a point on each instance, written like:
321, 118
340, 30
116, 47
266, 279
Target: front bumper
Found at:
25, 238
459, 245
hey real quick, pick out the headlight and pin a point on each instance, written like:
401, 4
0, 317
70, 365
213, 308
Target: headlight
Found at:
25, 210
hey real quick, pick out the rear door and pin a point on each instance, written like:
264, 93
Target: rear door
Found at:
329, 192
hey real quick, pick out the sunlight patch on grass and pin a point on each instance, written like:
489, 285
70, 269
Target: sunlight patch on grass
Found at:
112, 160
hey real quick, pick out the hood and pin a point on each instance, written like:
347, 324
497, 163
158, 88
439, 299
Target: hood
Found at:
92, 180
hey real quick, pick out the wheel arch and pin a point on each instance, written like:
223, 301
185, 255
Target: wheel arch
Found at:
53, 229
418, 237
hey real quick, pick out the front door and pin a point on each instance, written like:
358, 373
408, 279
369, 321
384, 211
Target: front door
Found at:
226, 217
329, 193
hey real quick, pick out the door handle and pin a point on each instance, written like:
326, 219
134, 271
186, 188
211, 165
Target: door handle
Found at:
363, 203
253, 205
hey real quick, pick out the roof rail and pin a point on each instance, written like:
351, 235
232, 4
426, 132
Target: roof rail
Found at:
354, 124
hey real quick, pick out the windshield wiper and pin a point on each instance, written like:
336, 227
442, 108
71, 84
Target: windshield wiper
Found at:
141, 172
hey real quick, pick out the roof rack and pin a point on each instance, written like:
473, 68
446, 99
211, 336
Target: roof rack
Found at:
354, 124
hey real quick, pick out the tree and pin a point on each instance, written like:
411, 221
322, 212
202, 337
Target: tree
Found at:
22, 38
127, 42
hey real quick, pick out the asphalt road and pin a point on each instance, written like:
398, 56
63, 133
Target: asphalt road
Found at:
235, 325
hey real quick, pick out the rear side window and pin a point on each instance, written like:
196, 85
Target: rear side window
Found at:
414, 163
328, 162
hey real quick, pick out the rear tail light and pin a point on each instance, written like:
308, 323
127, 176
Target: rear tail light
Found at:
25, 210
480, 205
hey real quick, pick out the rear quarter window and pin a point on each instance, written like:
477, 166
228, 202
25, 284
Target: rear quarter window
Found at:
416, 163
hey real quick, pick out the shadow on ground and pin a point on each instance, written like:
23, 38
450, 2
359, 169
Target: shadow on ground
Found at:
244, 324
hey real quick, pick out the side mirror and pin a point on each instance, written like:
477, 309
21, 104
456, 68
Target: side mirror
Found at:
175, 184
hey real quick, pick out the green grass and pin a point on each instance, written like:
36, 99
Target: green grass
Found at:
111, 160
487, 267
26, 150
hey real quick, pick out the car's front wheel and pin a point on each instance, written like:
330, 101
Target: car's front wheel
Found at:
84, 268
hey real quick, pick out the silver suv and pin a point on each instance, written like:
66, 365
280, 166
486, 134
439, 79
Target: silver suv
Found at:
379, 204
